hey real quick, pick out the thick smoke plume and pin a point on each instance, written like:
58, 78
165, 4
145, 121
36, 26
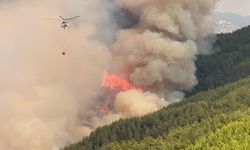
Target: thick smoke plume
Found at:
159, 52
46, 99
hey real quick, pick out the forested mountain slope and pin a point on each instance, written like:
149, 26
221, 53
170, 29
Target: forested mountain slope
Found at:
230, 63
235, 135
223, 131
187, 120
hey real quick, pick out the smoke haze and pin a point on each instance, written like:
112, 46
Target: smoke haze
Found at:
46, 99
42, 92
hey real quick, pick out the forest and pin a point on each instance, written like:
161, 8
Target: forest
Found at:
229, 62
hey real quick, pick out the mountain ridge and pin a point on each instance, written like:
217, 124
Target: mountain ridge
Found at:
226, 22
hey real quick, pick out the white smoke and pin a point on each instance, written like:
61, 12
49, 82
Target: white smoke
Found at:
134, 103
45, 98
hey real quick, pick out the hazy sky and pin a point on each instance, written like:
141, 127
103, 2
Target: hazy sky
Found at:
235, 6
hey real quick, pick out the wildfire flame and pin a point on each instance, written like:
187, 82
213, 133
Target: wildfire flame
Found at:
114, 84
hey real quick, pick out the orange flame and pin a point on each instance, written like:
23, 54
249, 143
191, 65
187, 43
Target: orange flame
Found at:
115, 84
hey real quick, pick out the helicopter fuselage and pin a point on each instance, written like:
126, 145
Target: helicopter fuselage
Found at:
64, 24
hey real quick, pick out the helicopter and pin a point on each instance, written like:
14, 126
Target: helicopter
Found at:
64, 25
65, 21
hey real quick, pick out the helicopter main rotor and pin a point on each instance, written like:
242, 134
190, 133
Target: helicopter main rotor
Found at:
64, 23
71, 18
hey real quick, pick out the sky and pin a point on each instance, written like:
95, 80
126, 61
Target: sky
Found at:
235, 6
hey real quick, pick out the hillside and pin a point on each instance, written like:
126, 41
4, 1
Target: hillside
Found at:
205, 112
225, 131
230, 63
235, 135
191, 122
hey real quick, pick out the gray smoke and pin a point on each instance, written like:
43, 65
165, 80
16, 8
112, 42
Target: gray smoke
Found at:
46, 99
159, 52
